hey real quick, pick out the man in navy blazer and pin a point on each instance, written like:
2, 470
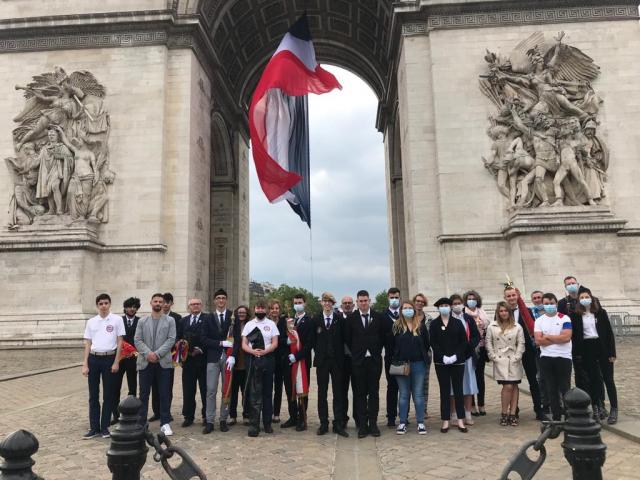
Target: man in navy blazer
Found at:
216, 331
127, 365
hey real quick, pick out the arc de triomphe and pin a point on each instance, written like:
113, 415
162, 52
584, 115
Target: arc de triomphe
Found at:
510, 148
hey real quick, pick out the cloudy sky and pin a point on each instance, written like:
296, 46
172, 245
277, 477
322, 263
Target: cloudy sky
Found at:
348, 203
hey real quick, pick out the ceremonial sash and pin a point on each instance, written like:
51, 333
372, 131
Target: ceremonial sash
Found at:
228, 374
179, 352
299, 380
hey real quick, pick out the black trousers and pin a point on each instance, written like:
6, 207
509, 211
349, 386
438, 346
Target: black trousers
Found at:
392, 391
606, 368
331, 370
366, 382
154, 373
278, 381
155, 397
346, 381
450, 376
586, 370
480, 364
531, 371
128, 368
237, 383
556, 372
100, 368
260, 387
297, 410
194, 376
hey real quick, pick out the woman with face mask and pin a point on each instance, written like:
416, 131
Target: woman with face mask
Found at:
594, 352
469, 384
420, 301
411, 347
449, 344
473, 308
552, 333
505, 347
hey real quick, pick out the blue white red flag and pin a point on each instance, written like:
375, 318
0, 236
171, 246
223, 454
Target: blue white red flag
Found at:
279, 119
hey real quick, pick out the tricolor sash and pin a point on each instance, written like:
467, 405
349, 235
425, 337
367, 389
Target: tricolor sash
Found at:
299, 380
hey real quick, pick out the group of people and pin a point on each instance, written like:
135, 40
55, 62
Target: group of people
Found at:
259, 351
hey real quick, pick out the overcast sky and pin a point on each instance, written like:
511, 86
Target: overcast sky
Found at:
348, 203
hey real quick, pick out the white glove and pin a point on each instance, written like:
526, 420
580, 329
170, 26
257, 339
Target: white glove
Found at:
230, 363
292, 358
288, 341
227, 344
445, 360
453, 359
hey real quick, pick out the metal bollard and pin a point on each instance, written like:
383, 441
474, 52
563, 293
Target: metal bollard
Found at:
17, 449
583, 447
127, 453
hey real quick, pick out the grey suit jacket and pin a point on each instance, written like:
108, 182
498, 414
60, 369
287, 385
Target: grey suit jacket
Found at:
165, 339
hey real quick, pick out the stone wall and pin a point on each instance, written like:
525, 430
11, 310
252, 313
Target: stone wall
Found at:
457, 218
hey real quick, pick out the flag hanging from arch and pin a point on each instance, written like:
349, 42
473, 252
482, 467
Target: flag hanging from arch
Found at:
279, 119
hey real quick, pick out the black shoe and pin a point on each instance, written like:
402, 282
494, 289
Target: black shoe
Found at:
324, 428
540, 416
482, 413
268, 428
475, 414
288, 424
253, 431
391, 423
232, 422
463, 429
341, 431
613, 416
208, 428
187, 422
90, 434
153, 418
363, 432
374, 430
223, 426
444, 430
301, 427
113, 422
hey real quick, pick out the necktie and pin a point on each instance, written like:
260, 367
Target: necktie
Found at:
220, 319
193, 320
130, 322
395, 315
366, 319
328, 321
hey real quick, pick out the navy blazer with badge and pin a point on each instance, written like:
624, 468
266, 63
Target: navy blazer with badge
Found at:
328, 343
305, 328
373, 338
214, 334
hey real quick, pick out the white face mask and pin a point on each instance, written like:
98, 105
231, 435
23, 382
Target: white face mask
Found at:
457, 308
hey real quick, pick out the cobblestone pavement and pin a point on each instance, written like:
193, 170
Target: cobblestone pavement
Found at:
13, 361
54, 407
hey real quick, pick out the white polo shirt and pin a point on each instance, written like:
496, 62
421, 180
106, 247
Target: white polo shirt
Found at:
553, 326
104, 332
266, 327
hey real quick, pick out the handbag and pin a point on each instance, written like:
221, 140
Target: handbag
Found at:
400, 368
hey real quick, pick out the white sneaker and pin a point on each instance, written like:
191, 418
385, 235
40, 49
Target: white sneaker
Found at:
401, 430
422, 430
166, 429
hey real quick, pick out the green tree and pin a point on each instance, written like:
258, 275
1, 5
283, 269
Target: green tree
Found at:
381, 301
284, 293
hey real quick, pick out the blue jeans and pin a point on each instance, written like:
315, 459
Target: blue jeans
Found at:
412, 385
154, 372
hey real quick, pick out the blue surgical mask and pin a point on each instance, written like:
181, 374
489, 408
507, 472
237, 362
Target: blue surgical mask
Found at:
394, 302
407, 312
550, 309
585, 302
572, 288
444, 310
472, 303
299, 308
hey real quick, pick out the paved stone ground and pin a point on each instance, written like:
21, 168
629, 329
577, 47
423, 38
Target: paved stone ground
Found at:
13, 361
54, 407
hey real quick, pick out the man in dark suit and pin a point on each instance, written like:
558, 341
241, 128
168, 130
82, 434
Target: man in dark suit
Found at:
127, 365
329, 362
216, 334
155, 405
346, 309
194, 369
391, 315
367, 332
304, 326
511, 295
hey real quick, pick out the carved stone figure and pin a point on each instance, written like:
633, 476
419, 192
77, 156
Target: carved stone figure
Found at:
62, 158
548, 109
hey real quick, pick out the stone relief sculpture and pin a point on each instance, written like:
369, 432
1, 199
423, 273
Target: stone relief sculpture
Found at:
60, 171
545, 150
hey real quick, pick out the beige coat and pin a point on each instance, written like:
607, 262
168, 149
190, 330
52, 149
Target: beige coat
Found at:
505, 350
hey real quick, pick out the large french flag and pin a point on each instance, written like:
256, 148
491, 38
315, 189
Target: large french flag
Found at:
279, 119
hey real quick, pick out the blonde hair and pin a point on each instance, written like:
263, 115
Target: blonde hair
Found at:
504, 326
400, 326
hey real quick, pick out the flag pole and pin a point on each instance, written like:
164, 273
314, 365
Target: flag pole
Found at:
311, 257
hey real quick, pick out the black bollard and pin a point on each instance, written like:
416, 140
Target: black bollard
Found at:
128, 450
582, 444
17, 449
